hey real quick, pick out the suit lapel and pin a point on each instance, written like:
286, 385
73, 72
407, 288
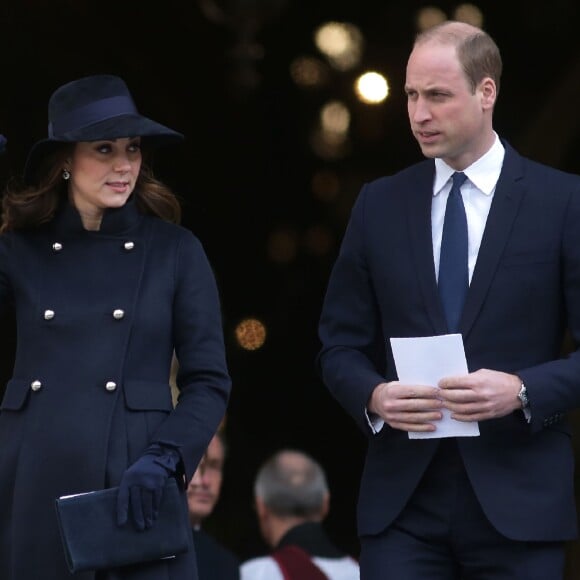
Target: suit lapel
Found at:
506, 201
419, 219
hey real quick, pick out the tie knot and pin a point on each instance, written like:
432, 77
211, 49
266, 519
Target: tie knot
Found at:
458, 179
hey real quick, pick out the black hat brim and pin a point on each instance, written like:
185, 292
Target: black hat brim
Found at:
122, 126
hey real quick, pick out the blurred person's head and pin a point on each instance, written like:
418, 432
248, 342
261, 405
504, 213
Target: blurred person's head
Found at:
290, 489
203, 490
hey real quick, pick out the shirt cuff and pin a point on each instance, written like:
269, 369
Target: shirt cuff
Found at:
374, 422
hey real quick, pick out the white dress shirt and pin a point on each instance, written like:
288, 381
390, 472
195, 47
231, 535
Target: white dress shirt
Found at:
477, 193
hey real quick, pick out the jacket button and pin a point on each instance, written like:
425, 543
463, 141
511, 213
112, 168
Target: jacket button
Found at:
35, 385
110, 386
128, 246
118, 314
57, 246
48, 314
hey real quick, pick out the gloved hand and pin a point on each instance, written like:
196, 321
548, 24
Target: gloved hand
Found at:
142, 486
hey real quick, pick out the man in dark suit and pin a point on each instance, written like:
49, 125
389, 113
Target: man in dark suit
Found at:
499, 505
214, 561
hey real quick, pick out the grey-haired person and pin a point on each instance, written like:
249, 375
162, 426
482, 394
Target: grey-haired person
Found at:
292, 500
106, 286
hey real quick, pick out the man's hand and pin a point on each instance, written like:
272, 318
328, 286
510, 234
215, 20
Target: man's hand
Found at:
407, 407
481, 395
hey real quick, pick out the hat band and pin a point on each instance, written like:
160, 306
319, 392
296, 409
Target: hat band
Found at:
91, 113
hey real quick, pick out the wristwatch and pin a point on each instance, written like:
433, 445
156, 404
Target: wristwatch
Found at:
523, 397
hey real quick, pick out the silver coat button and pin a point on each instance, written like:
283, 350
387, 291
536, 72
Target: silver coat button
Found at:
128, 245
35, 385
48, 314
57, 246
110, 386
118, 314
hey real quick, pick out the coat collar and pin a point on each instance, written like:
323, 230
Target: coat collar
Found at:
418, 212
509, 192
115, 221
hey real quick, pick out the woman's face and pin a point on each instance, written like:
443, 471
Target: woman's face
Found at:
103, 173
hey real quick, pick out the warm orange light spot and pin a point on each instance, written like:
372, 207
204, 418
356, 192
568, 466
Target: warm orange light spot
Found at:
251, 334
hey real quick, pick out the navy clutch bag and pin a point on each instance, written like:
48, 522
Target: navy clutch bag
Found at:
92, 540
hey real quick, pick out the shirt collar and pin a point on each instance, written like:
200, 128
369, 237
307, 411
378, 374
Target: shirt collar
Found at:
483, 173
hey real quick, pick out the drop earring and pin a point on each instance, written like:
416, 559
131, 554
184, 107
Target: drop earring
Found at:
66, 174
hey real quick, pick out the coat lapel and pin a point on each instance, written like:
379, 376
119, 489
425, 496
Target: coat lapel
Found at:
504, 208
419, 218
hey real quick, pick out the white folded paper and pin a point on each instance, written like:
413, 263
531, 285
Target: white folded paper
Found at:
426, 360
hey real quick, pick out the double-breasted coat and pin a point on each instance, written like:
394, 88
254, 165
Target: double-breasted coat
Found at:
99, 315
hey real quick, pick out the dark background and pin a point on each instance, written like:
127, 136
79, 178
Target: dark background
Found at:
246, 171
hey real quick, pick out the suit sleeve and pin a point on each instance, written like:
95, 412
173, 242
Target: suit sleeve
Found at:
349, 327
554, 387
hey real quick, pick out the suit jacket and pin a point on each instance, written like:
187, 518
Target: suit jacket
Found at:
99, 315
214, 561
524, 294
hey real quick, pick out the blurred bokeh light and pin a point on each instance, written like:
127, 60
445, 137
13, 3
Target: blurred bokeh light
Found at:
372, 88
341, 42
251, 334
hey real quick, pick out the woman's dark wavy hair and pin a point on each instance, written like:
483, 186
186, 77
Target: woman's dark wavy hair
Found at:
26, 206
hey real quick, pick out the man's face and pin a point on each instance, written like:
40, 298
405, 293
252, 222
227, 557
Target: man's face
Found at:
448, 118
204, 488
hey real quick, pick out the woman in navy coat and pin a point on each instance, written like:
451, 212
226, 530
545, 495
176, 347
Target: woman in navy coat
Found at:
105, 287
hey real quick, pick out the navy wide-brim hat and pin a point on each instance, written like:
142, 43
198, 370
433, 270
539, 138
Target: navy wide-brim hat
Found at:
94, 108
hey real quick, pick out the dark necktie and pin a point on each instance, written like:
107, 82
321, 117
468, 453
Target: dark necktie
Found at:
453, 271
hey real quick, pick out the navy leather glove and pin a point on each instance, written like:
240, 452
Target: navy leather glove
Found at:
141, 487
